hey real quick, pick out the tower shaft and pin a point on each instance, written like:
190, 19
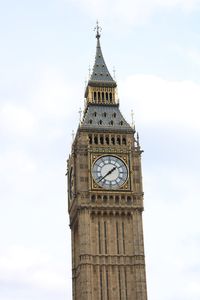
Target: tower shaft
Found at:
105, 198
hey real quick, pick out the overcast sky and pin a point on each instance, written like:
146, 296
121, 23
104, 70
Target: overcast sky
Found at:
46, 48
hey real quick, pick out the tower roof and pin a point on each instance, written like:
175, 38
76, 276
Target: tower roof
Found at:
100, 75
104, 118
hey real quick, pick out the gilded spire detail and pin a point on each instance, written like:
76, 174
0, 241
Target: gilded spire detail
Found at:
98, 29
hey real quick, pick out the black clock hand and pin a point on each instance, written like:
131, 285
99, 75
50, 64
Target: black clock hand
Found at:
109, 172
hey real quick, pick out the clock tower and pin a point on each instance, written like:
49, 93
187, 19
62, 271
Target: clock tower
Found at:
105, 197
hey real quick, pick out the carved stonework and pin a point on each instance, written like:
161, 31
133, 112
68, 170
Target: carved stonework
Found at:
105, 198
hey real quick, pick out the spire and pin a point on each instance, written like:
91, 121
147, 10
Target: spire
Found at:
100, 75
101, 87
98, 29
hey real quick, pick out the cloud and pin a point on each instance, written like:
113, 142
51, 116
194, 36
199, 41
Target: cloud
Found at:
133, 12
41, 115
192, 54
171, 232
53, 95
160, 101
54, 102
168, 110
17, 120
30, 267
17, 166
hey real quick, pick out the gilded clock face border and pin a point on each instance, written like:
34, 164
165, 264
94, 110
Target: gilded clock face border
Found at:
123, 157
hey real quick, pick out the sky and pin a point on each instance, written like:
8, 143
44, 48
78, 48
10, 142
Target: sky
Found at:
46, 50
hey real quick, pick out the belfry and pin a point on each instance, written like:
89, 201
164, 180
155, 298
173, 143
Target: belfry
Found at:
105, 197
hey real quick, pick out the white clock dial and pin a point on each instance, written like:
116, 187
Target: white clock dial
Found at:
109, 172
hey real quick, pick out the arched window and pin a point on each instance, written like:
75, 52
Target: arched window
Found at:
118, 140
99, 96
113, 140
96, 139
105, 198
117, 199
110, 97
93, 197
129, 199
106, 96
95, 96
107, 140
124, 141
101, 139
102, 95
90, 139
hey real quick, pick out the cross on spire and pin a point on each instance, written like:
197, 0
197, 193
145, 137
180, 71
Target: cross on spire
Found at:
98, 29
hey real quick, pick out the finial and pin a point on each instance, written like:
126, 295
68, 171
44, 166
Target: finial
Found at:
80, 113
132, 117
138, 140
73, 135
114, 73
98, 29
85, 83
89, 69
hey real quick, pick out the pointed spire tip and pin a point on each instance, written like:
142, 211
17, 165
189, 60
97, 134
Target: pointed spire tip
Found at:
98, 29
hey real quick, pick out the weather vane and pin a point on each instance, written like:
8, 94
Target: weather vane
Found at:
98, 29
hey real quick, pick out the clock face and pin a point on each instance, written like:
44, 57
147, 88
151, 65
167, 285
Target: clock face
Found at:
109, 172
